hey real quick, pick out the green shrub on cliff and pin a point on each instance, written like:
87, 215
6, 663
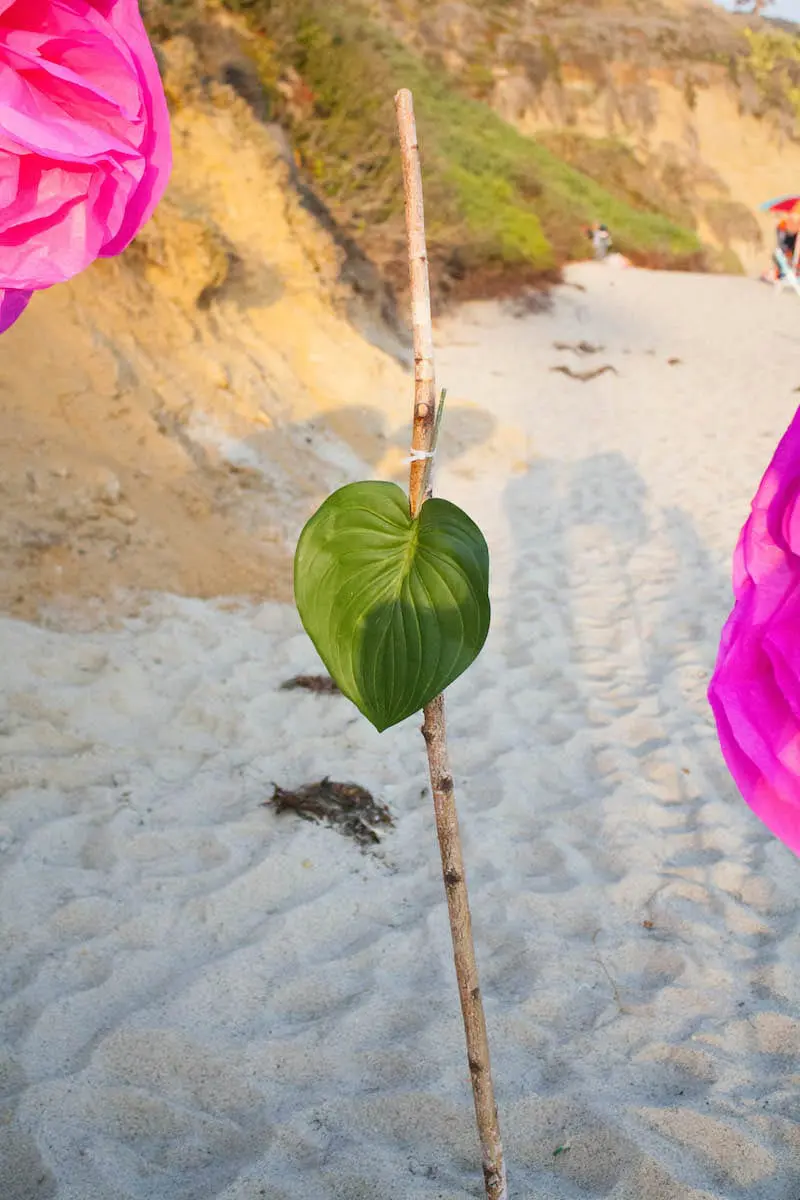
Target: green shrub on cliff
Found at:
774, 65
500, 206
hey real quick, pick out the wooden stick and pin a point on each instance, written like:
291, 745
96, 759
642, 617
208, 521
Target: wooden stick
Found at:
434, 725
424, 382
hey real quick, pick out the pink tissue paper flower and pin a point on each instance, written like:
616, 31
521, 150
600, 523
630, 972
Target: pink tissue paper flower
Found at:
755, 690
84, 139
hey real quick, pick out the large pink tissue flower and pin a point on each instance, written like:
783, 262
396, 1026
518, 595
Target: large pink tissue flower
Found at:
755, 691
84, 139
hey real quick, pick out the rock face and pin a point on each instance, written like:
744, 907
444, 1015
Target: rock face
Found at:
170, 418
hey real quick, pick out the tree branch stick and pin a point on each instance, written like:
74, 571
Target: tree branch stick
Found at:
434, 726
424, 381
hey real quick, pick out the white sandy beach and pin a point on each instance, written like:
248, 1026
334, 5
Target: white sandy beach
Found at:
202, 999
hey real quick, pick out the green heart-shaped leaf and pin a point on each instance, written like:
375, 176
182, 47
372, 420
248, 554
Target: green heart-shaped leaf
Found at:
396, 608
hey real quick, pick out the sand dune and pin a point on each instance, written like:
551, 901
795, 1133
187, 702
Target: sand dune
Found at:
201, 998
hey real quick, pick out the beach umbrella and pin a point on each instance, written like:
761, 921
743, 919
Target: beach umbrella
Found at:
783, 204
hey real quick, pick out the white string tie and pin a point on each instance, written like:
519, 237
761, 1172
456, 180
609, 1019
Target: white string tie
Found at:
419, 456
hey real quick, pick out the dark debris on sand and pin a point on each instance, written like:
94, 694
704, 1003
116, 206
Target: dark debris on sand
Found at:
321, 684
344, 806
578, 347
585, 376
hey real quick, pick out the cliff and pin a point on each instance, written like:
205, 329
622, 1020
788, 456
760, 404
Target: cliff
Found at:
170, 418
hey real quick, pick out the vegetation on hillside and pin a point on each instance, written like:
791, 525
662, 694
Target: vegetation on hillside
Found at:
502, 209
680, 188
773, 66
541, 43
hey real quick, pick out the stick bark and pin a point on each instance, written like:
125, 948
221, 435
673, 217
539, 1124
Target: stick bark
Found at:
434, 728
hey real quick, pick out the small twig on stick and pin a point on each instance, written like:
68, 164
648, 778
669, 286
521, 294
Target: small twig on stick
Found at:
434, 728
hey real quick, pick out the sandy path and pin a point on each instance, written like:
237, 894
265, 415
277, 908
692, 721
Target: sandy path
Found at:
201, 999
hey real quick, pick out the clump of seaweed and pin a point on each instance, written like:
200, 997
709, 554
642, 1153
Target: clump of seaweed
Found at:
322, 685
344, 806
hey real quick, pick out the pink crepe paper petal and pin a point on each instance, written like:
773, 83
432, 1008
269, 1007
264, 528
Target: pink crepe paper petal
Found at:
755, 689
85, 150
12, 305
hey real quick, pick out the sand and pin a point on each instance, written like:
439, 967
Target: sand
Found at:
201, 998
